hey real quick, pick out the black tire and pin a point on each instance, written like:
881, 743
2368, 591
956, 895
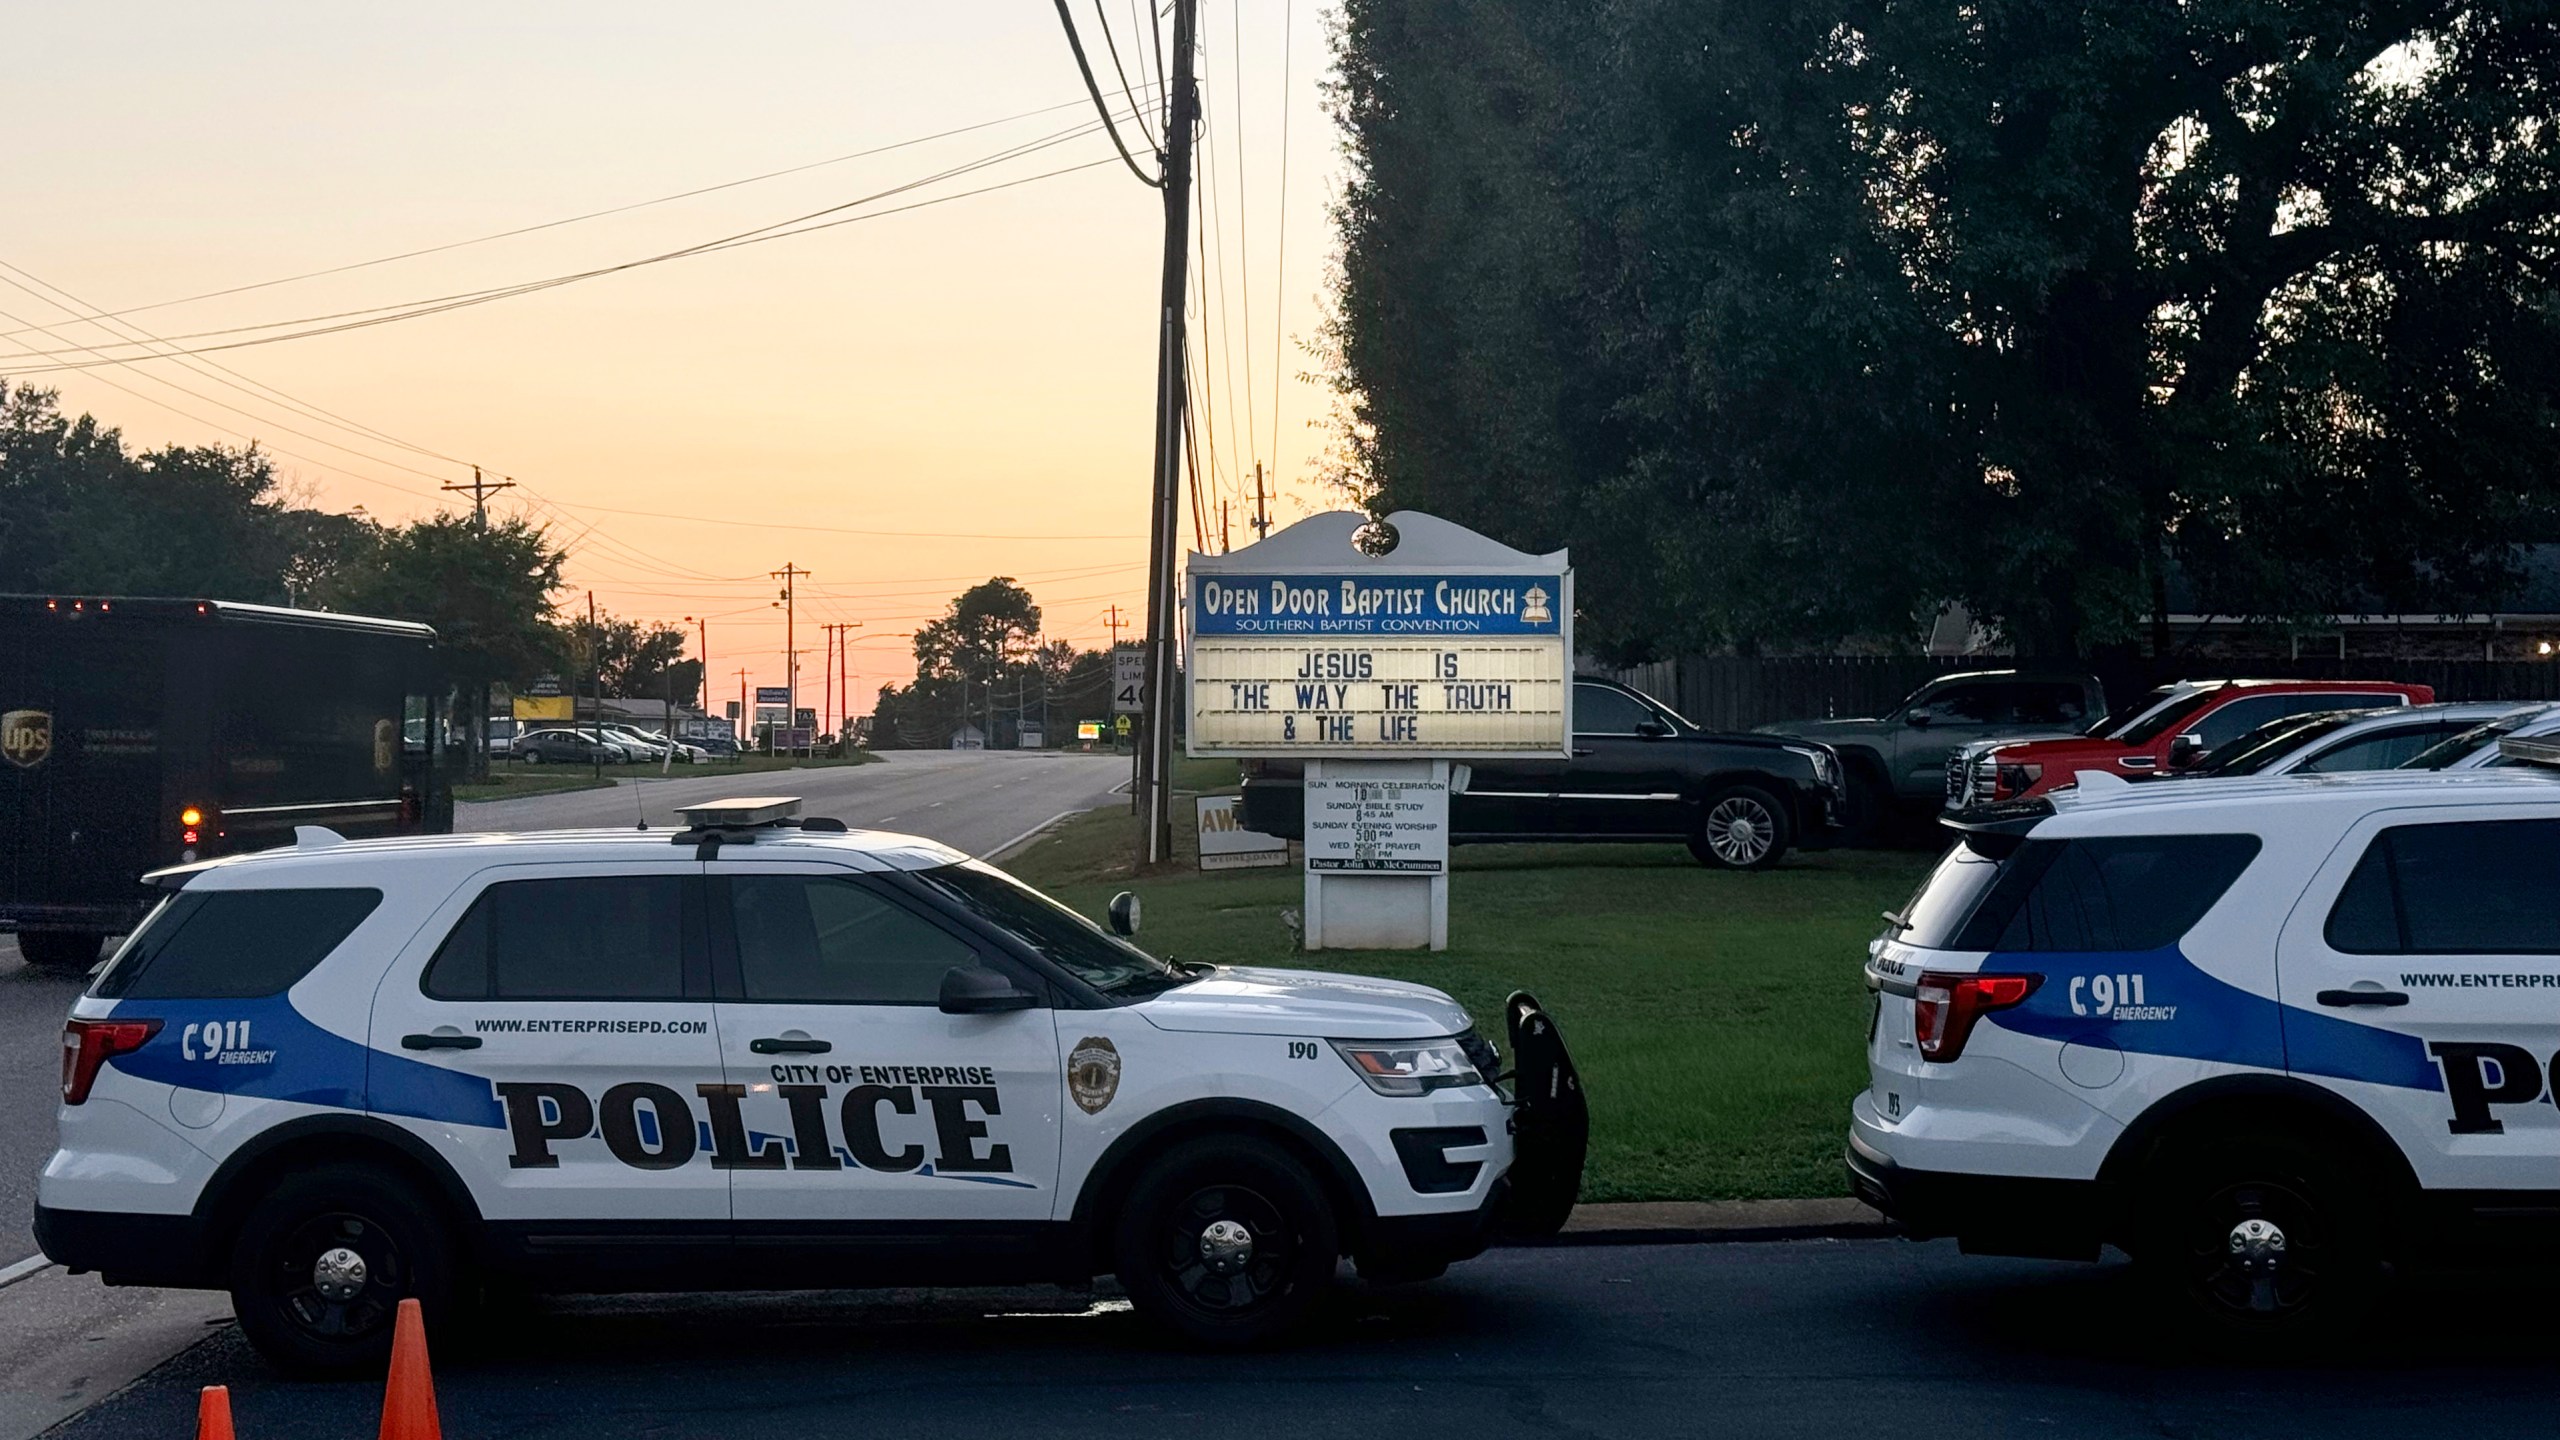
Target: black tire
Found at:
1741, 827
1161, 1245
2212, 1207
62, 952
275, 1289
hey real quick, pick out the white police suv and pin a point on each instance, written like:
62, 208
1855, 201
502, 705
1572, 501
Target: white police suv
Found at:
760, 1053
2271, 1037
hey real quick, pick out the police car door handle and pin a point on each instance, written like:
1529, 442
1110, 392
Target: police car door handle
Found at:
440, 1041
2363, 997
780, 1045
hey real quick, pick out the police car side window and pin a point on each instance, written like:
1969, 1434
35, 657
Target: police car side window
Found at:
2481, 887
832, 940
2119, 893
588, 937
234, 944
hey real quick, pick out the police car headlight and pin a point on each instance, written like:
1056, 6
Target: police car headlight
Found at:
1410, 1067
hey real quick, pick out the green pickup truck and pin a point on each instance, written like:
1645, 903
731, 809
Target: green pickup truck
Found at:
1899, 760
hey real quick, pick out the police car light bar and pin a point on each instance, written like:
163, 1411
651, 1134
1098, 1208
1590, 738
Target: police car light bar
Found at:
2530, 752
742, 814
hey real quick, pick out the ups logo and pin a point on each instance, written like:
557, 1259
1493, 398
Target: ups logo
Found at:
26, 737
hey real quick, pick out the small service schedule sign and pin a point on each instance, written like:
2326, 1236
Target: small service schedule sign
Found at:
1377, 826
1380, 665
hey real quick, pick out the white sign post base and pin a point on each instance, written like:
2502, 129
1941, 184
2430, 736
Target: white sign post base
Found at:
1377, 855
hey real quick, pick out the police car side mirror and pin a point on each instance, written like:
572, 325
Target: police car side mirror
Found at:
977, 990
1652, 729
1917, 719
2184, 749
1124, 913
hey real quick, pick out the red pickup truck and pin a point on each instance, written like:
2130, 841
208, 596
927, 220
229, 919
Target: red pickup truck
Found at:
2169, 729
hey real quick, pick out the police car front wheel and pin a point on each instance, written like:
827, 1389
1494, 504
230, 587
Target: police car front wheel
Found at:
323, 1262
1226, 1242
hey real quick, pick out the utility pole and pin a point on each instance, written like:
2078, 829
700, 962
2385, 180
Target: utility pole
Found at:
746, 716
705, 623
1261, 509
789, 575
1224, 544
478, 729
1115, 626
595, 682
1182, 116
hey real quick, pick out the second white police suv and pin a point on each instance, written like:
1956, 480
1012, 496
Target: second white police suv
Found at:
769, 1054
2271, 1037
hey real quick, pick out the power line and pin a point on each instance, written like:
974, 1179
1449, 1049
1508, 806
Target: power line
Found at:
1138, 114
237, 381
574, 219
831, 529
210, 400
1280, 281
411, 310
1084, 67
1244, 225
1218, 241
253, 440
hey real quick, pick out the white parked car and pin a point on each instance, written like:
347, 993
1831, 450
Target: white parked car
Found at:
2477, 748
759, 1053
2272, 1037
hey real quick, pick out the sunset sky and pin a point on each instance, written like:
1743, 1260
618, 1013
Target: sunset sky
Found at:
901, 406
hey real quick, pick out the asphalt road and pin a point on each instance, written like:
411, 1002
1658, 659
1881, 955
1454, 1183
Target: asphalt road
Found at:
972, 801
1812, 1338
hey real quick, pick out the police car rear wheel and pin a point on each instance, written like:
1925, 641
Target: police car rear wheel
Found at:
322, 1265
2267, 1238
1226, 1242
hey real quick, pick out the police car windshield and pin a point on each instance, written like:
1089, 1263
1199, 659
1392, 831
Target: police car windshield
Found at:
2106, 726
1064, 938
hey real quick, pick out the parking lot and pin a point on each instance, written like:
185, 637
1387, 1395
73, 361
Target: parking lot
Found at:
1814, 1338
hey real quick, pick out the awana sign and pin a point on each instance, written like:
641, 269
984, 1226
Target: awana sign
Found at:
1447, 645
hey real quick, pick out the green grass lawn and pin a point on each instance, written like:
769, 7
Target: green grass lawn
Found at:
509, 782
1719, 1019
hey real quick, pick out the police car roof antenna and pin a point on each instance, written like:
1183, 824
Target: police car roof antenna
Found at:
637, 807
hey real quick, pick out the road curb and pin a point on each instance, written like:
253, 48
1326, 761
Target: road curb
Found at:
1711, 1222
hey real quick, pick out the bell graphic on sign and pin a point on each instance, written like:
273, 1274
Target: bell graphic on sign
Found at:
1536, 611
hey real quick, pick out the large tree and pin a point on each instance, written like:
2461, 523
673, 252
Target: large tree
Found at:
1798, 322
78, 511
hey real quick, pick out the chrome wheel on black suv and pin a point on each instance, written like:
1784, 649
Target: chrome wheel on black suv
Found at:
1742, 828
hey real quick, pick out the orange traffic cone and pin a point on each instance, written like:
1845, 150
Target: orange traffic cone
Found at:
213, 1413
409, 1398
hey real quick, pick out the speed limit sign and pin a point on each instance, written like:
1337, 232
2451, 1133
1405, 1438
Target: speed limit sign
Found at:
1128, 679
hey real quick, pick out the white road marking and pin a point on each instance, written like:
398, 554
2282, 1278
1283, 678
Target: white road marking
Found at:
1025, 837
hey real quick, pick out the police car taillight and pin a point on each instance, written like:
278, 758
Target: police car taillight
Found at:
88, 1044
1945, 1006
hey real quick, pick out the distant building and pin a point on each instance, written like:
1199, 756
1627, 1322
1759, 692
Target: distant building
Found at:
968, 737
